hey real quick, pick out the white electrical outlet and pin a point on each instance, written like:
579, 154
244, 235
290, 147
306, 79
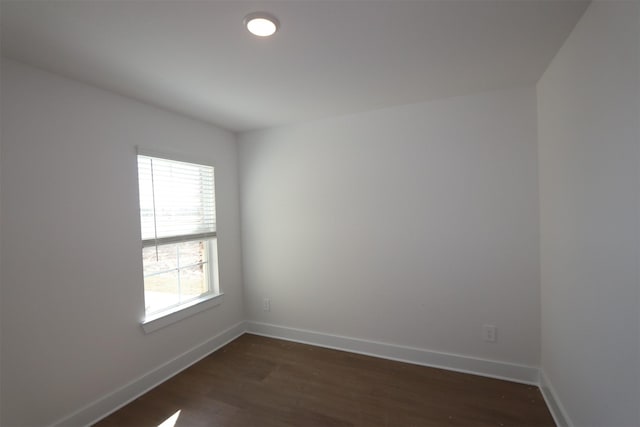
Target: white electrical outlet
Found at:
489, 333
266, 304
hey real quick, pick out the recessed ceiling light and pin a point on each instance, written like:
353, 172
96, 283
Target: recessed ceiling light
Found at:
261, 24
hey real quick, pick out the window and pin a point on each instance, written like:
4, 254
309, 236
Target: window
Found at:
178, 227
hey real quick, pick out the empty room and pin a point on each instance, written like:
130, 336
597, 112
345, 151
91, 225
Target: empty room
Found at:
320, 213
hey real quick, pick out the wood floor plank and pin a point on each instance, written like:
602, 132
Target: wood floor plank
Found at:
258, 381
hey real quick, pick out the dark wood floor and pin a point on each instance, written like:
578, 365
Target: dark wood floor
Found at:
257, 381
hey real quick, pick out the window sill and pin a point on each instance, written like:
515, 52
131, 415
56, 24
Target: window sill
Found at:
165, 318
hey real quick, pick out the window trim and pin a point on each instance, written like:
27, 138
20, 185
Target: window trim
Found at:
170, 155
175, 314
215, 296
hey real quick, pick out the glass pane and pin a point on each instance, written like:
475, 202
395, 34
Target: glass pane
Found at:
192, 253
161, 291
193, 281
167, 259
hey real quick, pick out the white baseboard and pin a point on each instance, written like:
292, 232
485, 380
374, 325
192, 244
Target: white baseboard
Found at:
418, 356
113, 401
556, 408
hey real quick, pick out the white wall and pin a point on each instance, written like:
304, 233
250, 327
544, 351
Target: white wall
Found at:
589, 136
72, 269
411, 225
1, 400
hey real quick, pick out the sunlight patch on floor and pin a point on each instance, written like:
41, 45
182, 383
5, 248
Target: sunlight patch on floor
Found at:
171, 421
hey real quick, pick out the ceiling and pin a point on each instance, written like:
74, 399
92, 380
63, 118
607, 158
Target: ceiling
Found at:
329, 58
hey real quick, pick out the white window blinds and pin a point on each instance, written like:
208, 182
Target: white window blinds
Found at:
177, 201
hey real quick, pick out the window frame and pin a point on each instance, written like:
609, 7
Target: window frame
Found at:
212, 298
